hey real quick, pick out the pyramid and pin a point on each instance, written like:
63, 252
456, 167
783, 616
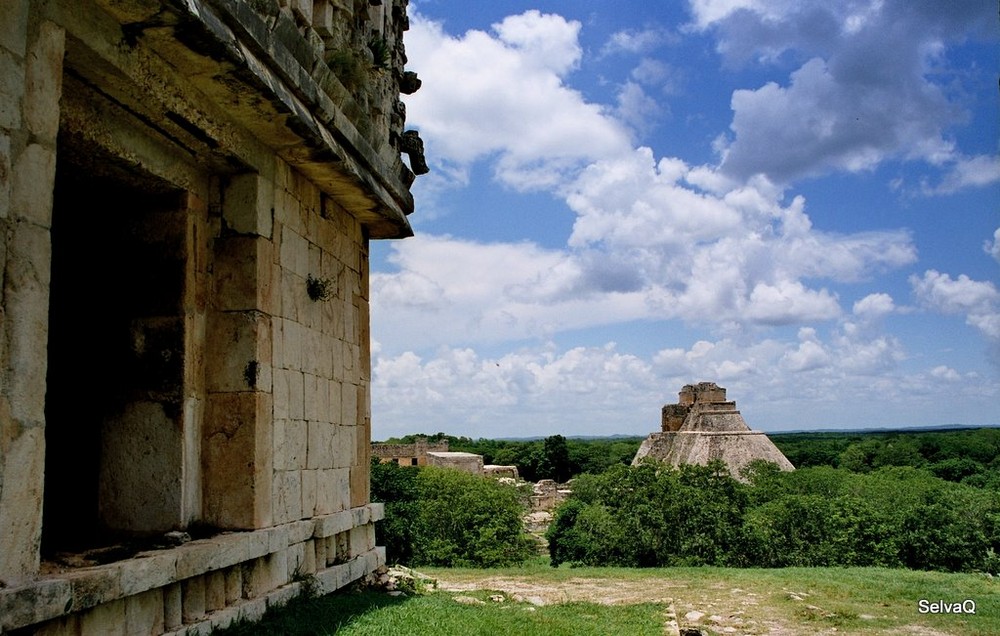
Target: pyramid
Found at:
704, 426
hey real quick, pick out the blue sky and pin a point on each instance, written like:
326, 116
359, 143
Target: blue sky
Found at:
797, 199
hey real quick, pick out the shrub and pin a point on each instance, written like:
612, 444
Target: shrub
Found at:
444, 517
654, 515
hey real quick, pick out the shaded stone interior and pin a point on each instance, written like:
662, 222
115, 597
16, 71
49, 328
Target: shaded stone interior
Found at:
116, 356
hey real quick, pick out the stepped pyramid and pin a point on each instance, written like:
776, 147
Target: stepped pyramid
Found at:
703, 426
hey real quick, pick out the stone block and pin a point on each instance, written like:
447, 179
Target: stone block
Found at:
309, 556
205, 555
300, 531
333, 490
240, 356
11, 88
349, 404
360, 516
363, 539
243, 272
144, 614
280, 391
14, 26
26, 305
34, 173
310, 405
320, 555
287, 496
173, 616
23, 464
257, 578
94, 586
253, 610
258, 544
294, 255
234, 584
322, 439
5, 179
148, 570
105, 620
292, 345
215, 591
308, 493
43, 81
333, 524
296, 444
360, 485
296, 395
345, 448
141, 469
302, 9
58, 627
34, 603
278, 339
377, 511
295, 562
336, 414
193, 599
248, 205
237, 462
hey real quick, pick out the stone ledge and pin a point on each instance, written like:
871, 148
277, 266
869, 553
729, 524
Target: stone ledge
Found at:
60, 594
328, 580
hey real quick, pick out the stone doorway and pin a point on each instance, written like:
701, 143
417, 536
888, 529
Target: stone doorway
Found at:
114, 404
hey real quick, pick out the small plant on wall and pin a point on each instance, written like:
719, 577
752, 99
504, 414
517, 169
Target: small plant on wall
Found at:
319, 288
380, 52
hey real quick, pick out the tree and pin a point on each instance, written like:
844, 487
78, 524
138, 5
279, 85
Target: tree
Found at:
555, 459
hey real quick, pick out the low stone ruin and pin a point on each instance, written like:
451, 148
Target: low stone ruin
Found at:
703, 426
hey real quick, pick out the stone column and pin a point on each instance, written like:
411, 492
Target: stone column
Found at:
31, 53
237, 460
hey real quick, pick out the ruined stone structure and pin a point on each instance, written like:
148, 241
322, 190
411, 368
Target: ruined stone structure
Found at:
703, 426
466, 462
414, 454
188, 189
420, 453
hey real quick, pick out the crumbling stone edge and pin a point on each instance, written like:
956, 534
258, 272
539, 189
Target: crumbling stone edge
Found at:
207, 584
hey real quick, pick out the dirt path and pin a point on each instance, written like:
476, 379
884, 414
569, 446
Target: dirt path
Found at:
715, 608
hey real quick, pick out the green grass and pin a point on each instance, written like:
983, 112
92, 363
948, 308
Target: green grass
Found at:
377, 614
852, 600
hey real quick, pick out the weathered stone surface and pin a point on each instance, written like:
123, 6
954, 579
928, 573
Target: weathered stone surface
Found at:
34, 603
142, 466
35, 165
108, 618
244, 402
702, 426
248, 205
148, 571
237, 449
43, 81
144, 613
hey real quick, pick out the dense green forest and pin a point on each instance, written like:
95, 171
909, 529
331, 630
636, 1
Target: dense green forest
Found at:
969, 456
914, 499
893, 516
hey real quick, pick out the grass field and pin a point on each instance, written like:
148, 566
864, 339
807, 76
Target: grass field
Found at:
537, 599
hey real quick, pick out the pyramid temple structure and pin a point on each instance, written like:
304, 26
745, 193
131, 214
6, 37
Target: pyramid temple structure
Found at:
703, 426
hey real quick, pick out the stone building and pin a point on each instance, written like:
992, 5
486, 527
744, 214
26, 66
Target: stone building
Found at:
703, 426
188, 189
421, 453
414, 454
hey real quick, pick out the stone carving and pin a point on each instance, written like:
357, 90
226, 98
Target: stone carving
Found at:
413, 146
703, 426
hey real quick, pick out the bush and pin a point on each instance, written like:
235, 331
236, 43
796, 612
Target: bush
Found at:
444, 517
654, 515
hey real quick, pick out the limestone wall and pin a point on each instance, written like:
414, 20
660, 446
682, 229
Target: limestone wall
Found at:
187, 194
